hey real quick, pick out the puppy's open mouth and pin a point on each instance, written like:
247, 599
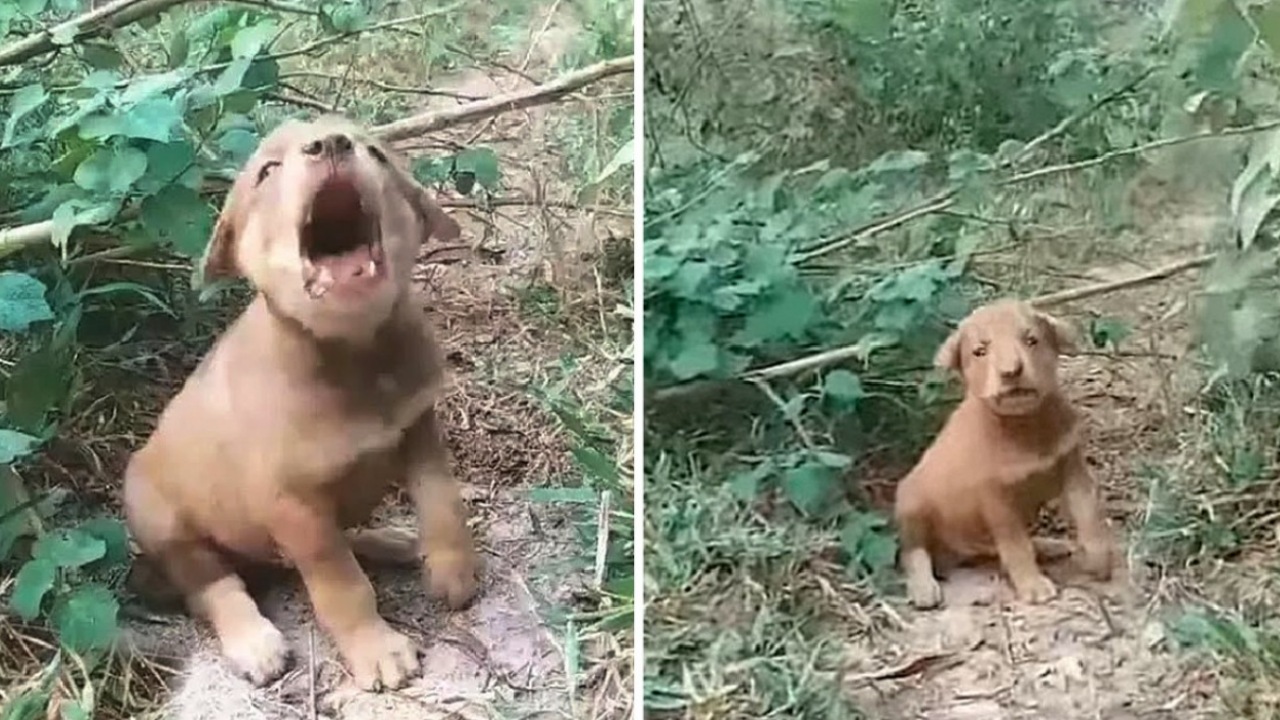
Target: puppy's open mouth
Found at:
340, 243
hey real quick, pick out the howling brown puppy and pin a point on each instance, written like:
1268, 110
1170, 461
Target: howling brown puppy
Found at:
309, 408
1011, 445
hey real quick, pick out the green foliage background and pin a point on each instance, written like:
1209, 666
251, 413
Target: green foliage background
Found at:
821, 177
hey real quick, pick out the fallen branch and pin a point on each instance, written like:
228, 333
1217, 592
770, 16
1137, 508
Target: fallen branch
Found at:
112, 15
518, 100
1088, 291
13, 239
849, 352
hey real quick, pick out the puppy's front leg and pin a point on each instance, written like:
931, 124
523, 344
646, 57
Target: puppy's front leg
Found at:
450, 564
1016, 550
1085, 510
343, 598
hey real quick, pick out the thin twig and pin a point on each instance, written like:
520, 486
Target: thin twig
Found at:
1075, 118
945, 200
385, 87
762, 383
518, 100
1088, 291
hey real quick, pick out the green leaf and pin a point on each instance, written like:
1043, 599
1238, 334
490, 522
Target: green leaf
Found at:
250, 41
178, 50
14, 445
843, 387
1267, 19
32, 8
86, 619
574, 495
697, 357
428, 170
481, 162
342, 17
76, 212
102, 56
1219, 57
867, 539
1108, 331
34, 580
624, 157
867, 20
114, 536
809, 487
232, 78
111, 169
168, 163
26, 100
39, 383
238, 144
596, 464
178, 216
157, 118
68, 548
22, 302
147, 86
898, 161
746, 485
785, 315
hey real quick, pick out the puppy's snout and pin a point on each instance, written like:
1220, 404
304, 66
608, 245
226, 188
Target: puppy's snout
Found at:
335, 145
1011, 368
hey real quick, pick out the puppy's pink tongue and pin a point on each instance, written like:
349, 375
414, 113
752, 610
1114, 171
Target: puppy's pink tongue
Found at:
349, 268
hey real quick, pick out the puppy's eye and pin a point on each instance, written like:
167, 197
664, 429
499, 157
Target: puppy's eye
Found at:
378, 154
1032, 341
980, 351
266, 169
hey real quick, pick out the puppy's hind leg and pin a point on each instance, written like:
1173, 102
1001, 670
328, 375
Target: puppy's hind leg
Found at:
252, 645
451, 564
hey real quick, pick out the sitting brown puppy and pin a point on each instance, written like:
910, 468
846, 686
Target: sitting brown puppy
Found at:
310, 406
1011, 445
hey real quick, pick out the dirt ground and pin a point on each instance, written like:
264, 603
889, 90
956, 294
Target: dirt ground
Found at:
1099, 650
501, 657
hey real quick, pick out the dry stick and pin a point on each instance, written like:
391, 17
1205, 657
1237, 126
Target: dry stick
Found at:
113, 14
518, 100
1088, 291
12, 239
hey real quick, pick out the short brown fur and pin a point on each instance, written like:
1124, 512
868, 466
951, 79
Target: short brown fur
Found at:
1012, 445
304, 414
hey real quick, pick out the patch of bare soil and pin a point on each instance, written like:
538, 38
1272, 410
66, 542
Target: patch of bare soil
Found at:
1099, 650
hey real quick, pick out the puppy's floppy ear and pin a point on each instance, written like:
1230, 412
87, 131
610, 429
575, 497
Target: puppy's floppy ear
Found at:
220, 261
439, 224
1061, 334
948, 357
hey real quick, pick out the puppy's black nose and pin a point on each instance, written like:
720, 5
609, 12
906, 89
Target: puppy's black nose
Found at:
335, 145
